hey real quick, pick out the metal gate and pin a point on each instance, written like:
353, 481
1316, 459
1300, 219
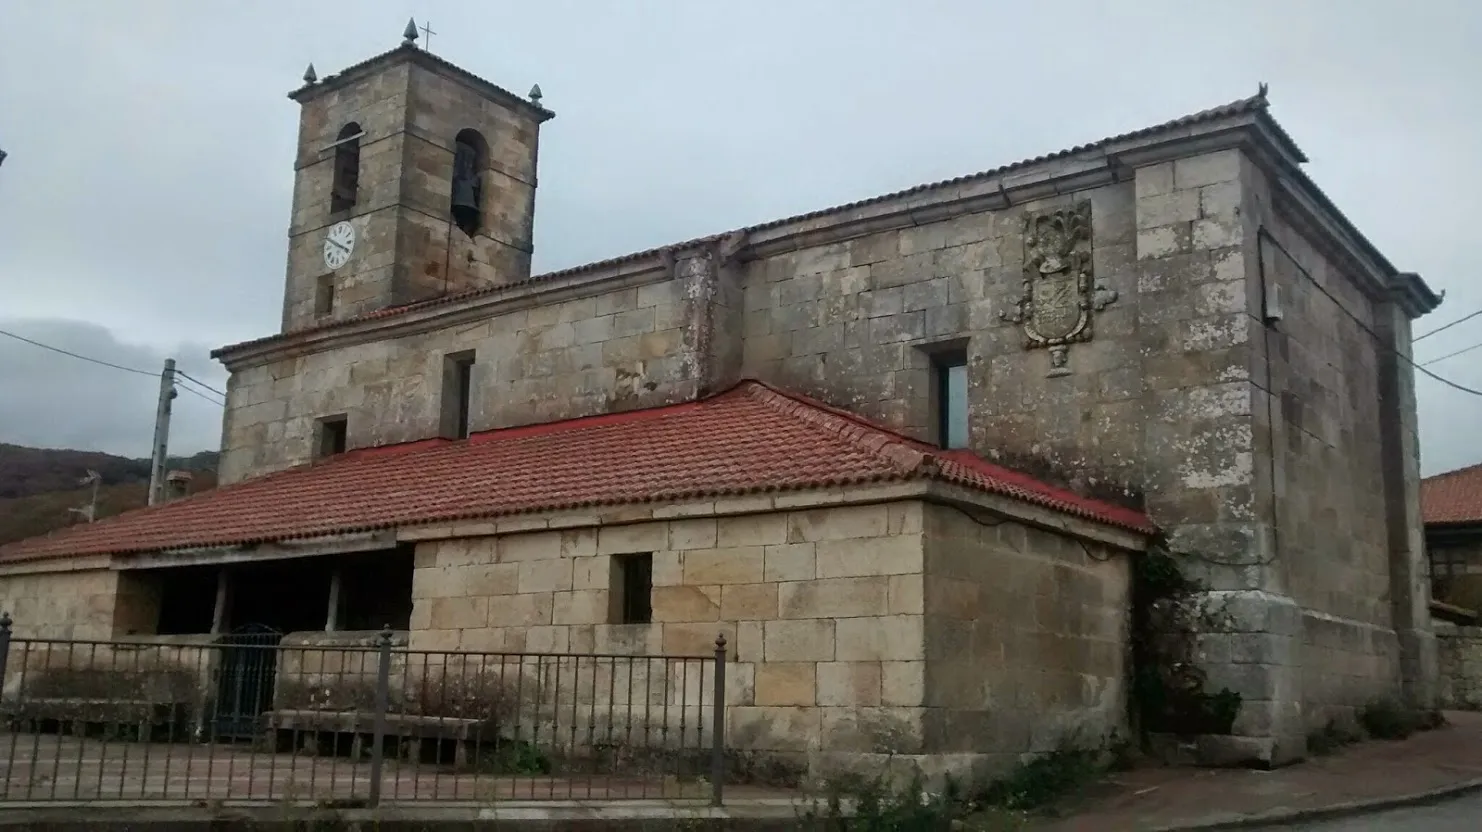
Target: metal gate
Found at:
249, 661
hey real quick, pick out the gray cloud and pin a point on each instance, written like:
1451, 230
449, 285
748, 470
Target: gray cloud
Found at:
148, 185
56, 401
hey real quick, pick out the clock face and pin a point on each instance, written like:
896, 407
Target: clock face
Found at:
338, 244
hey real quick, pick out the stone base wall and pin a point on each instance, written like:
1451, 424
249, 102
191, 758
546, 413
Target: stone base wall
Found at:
1345, 665
821, 609
853, 632
1460, 650
1028, 640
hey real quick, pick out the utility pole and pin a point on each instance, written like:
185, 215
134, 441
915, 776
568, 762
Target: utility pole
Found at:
161, 434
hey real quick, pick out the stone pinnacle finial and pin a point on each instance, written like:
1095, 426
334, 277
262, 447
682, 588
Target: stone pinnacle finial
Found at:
310, 76
1261, 90
409, 35
535, 95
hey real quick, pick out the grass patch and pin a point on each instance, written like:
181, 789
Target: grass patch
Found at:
1036, 786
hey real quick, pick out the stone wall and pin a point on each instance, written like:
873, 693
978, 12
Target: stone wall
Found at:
608, 351
62, 604
336, 671
889, 631
1460, 655
1027, 638
856, 324
821, 609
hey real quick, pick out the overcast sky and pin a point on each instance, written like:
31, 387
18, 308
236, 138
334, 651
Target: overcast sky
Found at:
144, 205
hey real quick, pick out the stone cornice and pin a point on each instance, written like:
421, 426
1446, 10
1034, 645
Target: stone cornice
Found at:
431, 316
281, 550
412, 54
1108, 162
74, 564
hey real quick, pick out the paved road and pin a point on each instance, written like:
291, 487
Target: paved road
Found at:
1462, 814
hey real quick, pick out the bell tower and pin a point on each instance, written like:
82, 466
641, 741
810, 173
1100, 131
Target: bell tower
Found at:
415, 179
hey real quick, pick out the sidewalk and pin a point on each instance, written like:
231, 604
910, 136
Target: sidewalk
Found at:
1159, 798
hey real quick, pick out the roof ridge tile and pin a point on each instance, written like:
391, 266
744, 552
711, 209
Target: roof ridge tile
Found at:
868, 437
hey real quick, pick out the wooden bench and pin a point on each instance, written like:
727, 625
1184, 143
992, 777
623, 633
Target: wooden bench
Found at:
298, 730
78, 714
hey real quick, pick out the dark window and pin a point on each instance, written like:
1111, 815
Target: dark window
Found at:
470, 157
187, 602
346, 169
332, 434
376, 590
951, 400
632, 588
324, 296
457, 394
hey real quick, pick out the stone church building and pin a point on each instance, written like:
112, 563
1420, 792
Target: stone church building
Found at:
901, 452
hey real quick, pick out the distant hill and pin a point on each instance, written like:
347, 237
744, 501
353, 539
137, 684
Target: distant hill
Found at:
38, 486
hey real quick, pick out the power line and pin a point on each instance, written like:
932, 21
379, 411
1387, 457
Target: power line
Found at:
1446, 327
181, 381
75, 355
1454, 354
119, 367
184, 374
194, 392
1263, 234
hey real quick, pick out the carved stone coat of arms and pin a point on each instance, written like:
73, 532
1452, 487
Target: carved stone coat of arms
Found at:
1059, 291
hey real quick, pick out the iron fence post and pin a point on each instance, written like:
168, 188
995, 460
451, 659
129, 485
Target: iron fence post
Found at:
718, 728
383, 696
5, 624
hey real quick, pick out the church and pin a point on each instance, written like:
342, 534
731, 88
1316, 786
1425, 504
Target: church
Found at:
903, 454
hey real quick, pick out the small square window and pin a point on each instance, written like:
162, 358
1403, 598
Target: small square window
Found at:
333, 432
324, 296
632, 589
951, 399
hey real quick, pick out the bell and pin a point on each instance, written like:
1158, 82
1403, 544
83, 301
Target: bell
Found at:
466, 203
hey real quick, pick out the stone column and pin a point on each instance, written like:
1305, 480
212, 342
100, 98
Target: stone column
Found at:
1209, 471
223, 601
711, 349
1409, 589
332, 617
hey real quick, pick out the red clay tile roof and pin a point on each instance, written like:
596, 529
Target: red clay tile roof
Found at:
1452, 497
750, 439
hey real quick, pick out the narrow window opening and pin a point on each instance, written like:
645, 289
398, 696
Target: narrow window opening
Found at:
333, 431
346, 169
632, 589
951, 405
457, 394
470, 157
324, 296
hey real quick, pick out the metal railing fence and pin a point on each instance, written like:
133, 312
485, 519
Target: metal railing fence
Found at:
248, 717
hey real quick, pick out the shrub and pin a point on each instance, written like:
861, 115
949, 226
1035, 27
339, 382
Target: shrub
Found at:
1388, 719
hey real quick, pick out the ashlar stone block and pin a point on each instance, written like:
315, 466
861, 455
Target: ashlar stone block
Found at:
849, 683
881, 638
798, 641
741, 565
834, 597
785, 683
